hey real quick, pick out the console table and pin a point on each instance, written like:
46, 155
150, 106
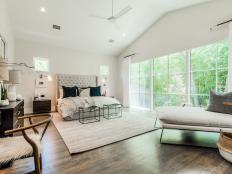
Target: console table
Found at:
9, 115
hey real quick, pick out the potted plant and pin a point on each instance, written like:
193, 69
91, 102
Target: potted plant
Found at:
4, 99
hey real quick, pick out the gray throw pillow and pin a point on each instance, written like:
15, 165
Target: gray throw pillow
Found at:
216, 102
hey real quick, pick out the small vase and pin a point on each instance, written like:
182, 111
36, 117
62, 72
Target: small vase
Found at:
4, 102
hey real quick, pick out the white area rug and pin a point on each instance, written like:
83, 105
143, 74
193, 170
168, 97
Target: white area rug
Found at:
82, 137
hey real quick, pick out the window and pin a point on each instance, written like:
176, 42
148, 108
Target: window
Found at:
185, 77
140, 80
169, 80
208, 71
41, 64
104, 70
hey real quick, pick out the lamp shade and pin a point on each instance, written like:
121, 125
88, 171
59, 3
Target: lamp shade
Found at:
4, 73
15, 76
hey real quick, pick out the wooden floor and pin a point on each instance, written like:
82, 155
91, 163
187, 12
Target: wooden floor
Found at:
140, 155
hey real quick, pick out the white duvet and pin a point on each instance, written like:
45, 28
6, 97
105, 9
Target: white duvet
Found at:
70, 106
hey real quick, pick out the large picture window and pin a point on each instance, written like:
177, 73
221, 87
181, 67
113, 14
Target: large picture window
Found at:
185, 77
209, 69
169, 80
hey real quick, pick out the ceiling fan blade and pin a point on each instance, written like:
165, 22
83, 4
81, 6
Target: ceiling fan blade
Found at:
123, 12
96, 16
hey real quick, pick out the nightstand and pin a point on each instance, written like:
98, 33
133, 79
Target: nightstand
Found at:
41, 106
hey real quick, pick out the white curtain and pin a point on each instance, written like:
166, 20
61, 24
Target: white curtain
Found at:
126, 81
229, 79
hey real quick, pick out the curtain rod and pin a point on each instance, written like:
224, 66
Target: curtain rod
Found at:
225, 22
129, 55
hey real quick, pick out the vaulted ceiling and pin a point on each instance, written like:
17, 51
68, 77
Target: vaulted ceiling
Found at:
85, 33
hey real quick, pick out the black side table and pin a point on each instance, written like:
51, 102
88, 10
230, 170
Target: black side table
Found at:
41, 106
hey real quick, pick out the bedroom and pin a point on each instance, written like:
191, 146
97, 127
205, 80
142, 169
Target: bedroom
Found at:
127, 48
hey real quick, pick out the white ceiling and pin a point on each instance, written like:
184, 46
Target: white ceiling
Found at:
78, 30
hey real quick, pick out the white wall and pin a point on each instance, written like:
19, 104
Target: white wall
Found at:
5, 30
62, 61
180, 30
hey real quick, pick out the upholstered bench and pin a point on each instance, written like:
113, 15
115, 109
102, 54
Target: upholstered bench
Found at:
193, 118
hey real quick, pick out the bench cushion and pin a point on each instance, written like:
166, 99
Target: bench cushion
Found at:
193, 116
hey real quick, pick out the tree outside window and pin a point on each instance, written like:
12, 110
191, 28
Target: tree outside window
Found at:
182, 77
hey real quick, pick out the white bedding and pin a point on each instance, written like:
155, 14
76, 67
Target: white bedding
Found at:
70, 106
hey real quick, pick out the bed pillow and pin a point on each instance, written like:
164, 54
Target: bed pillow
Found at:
85, 92
95, 91
70, 91
216, 102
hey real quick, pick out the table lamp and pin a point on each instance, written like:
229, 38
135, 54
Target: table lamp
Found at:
104, 72
14, 79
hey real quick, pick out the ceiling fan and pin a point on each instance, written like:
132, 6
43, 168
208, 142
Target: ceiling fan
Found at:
113, 16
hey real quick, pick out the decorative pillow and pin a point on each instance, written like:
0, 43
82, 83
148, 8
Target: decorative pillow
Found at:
95, 91
216, 102
70, 91
85, 92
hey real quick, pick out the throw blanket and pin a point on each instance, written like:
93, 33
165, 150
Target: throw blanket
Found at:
70, 106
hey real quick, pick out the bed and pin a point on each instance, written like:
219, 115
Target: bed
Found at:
69, 107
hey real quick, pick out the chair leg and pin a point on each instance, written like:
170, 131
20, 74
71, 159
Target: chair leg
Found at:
37, 163
40, 160
161, 135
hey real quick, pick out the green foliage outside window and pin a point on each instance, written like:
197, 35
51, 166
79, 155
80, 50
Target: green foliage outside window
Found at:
207, 71
169, 80
140, 79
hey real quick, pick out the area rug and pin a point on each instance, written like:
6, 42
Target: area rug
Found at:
83, 137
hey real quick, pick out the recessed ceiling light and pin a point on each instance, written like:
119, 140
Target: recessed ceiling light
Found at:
123, 34
43, 9
111, 41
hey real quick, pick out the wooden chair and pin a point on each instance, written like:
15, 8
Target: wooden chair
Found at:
13, 148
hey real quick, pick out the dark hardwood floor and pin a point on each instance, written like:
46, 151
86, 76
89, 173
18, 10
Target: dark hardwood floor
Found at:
139, 155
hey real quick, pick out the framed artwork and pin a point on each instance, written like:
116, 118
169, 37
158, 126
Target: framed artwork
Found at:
2, 47
41, 83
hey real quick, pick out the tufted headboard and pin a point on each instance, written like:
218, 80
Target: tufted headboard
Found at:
75, 80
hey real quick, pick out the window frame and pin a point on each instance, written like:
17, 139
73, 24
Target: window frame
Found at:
139, 78
187, 55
